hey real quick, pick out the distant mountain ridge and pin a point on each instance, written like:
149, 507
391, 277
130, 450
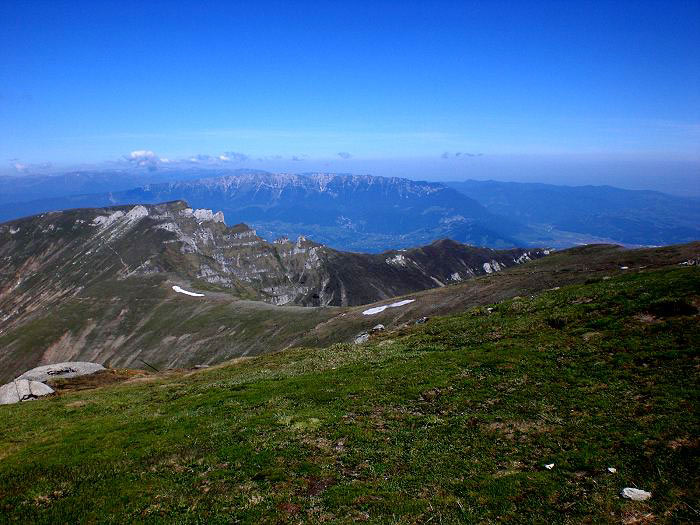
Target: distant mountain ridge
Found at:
372, 214
637, 217
350, 212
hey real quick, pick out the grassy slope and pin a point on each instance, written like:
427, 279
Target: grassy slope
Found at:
451, 420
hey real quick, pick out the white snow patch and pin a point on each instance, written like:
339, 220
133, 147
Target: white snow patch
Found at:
487, 268
456, 277
193, 294
612, 470
378, 309
13, 231
549, 466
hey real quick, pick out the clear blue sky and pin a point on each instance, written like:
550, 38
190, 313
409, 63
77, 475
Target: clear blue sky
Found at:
387, 82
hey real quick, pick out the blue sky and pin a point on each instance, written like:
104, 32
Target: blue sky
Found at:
395, 85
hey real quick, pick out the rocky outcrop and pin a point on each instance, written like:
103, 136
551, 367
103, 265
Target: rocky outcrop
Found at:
83, 246
23, 390
61, 371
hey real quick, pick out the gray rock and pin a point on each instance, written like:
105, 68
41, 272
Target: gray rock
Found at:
61, 370
23, 390
361, 338
635, 494
378, 328
422, 320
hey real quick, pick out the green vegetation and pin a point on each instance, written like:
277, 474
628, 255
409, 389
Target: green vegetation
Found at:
450, 421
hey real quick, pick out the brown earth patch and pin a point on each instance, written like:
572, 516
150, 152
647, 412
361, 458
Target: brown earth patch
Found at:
637, 516
683, 442
510, 429
96, 380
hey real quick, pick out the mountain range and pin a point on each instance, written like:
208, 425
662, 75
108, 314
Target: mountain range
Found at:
374, 214
625, 216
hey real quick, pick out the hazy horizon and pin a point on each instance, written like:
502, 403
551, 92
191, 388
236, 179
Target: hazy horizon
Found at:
559, 93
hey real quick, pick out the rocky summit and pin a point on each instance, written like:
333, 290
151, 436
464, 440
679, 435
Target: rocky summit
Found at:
81, 246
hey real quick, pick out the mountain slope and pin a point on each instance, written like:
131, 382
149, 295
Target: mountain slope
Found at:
97, 284
450, 421
625, 216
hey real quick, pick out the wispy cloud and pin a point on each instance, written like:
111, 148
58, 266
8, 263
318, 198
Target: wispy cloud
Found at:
143, 158
458, 154
23, 167
344, 155
233, 156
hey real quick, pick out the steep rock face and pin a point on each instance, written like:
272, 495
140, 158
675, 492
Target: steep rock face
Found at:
97, 285
57, 254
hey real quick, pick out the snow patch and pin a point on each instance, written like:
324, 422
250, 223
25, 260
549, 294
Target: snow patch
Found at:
487, 268
192, 294
378, 309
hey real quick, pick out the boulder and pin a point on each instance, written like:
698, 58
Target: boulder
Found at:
361, 338
635, 494
61, 370
23, 390
378, 328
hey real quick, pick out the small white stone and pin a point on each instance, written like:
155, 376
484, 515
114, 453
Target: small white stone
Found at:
612, 470
361, 338
635, 494
549, 466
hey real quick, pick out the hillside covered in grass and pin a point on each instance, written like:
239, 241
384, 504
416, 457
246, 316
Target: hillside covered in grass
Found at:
448, 421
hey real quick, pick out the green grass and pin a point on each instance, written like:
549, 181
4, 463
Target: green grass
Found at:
451, 421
